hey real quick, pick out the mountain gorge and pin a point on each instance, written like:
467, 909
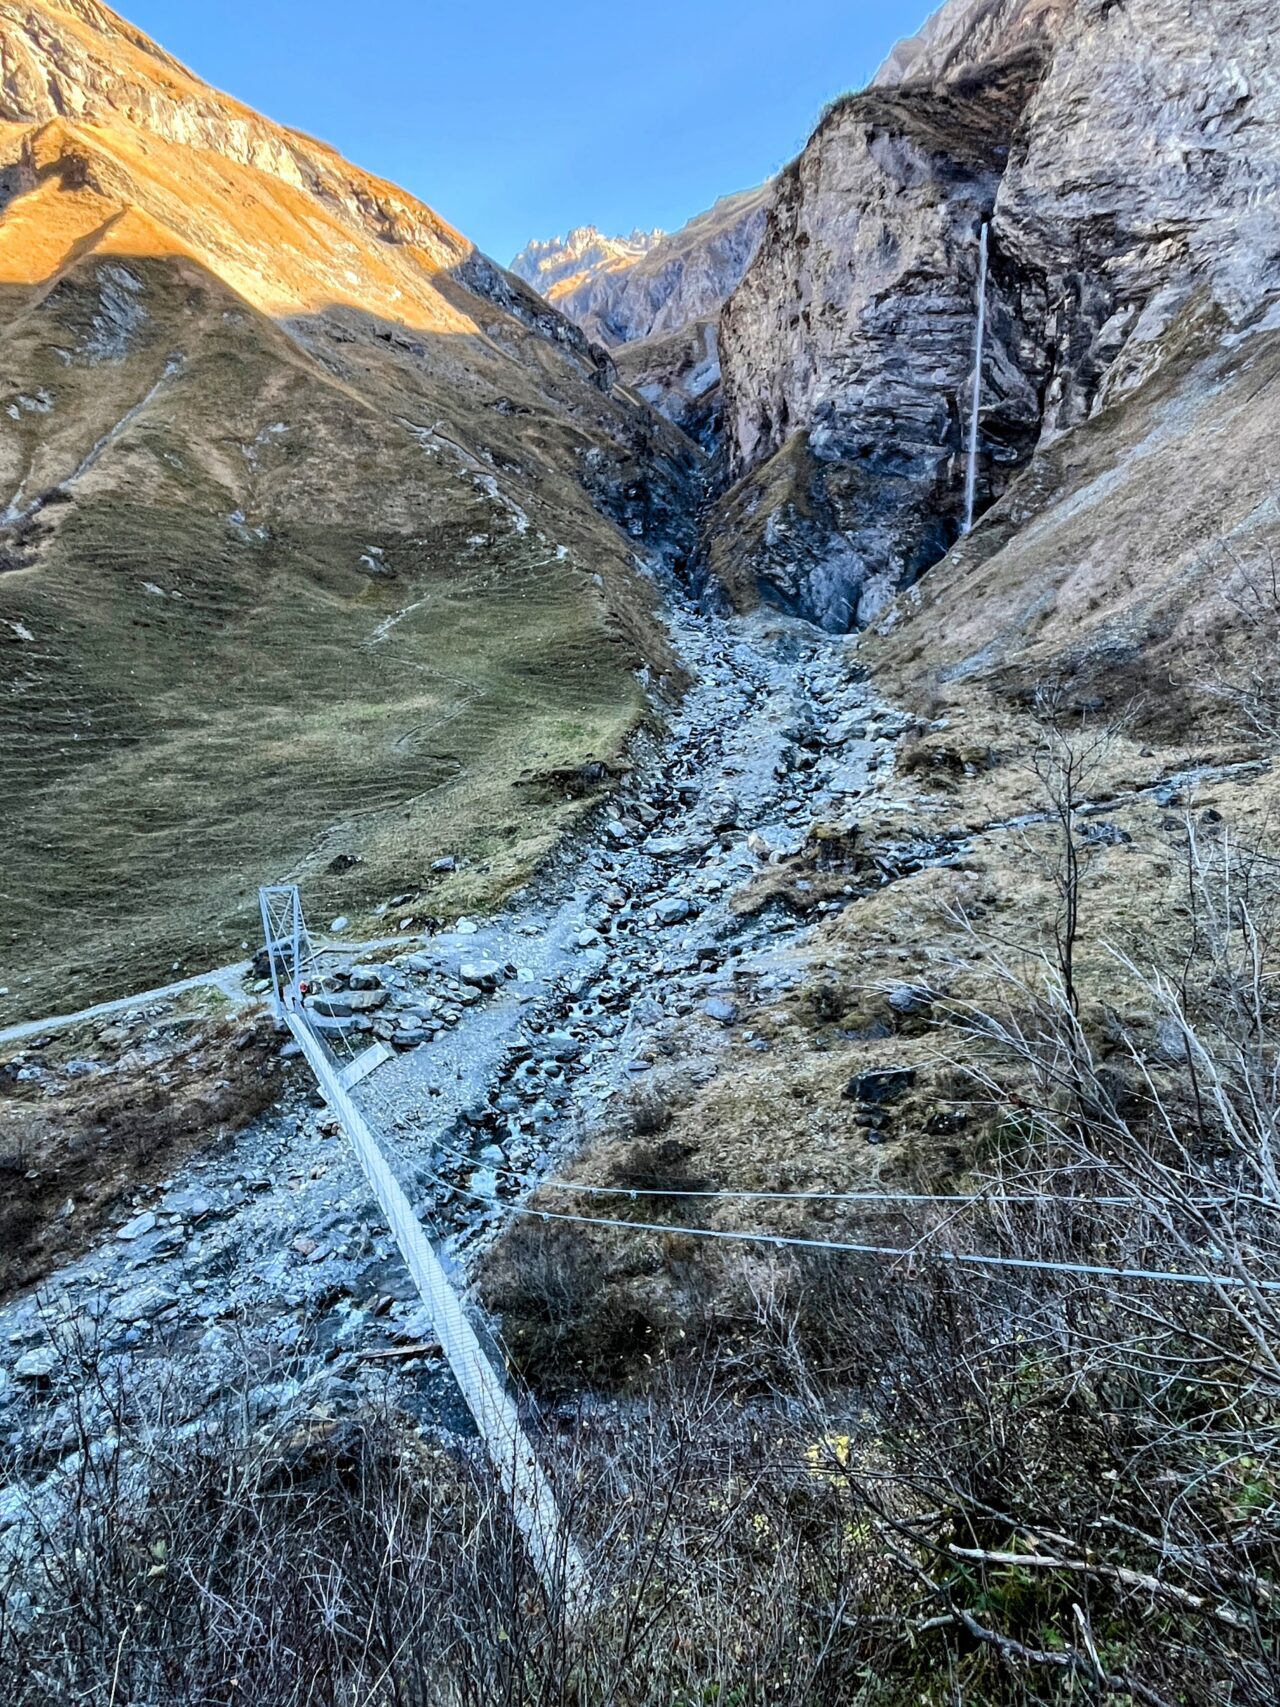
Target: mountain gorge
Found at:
1121, 158
1117, 153
809, 965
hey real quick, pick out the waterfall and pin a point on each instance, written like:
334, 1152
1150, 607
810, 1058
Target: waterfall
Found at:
971, 470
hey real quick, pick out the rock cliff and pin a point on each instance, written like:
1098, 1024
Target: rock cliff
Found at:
1121, 155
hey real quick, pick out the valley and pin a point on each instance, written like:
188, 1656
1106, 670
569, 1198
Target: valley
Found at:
824, 953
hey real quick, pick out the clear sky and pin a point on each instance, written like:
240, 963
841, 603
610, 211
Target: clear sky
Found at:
515, 120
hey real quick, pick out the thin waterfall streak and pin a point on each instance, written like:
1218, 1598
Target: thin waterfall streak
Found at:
971, 468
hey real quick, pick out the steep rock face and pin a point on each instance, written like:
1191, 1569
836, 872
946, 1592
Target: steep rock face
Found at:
679, 374
1128, 161
854, 331
965, 33
316, 527
1146, 172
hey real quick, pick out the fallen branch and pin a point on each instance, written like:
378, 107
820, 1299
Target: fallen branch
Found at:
1113, 1573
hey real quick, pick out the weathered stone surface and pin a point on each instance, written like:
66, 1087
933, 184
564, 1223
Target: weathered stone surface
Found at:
365, 978
481, 974
558, 1046
36, 1365
673, 910
848, 350
143, 1303
1125, 157
137, 1227
343, 1004
880, 1085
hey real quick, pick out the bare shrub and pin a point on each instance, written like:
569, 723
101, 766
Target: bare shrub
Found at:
1067, 763
1251, 586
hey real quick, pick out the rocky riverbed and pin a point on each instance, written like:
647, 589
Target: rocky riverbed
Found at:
261, 1274
663, 943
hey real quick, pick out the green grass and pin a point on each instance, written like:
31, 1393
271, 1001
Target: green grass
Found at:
163, 753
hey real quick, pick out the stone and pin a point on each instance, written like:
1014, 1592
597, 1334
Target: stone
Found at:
911, 1000
1104, 835
192, 1205
428, 965
666, 847
345, 1003
719, 1009
143, 1303
466, 927
37, 1364
880, 1085
338, 925
674, 910
365, 978
557, 1046
443, 866
481, 974
135, 1229
587, 938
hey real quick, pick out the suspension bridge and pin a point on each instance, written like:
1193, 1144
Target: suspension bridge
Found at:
293, 971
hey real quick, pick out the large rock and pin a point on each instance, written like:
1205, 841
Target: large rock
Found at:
342, 1004
481, 974
143, 1303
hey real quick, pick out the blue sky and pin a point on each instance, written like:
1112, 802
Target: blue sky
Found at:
518, 121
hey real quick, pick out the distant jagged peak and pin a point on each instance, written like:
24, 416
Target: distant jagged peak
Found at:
556, 263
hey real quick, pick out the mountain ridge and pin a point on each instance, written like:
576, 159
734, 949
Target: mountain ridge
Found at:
267, 417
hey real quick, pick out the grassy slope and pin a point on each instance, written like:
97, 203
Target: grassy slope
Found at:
216, 691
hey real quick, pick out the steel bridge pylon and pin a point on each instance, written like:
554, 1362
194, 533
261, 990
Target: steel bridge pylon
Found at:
289, 951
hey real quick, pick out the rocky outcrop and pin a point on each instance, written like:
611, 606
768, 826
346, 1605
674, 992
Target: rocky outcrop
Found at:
679, 374
1146, 172
1125, 156
963, 34
850, 344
